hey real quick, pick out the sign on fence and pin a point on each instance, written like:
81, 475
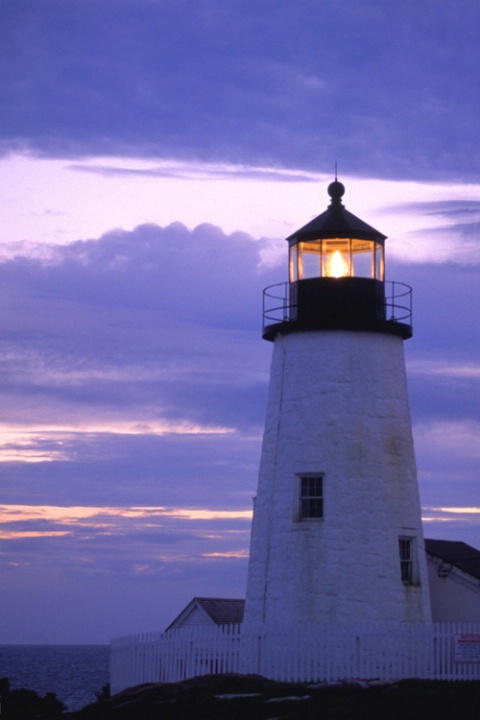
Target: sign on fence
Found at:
466, 647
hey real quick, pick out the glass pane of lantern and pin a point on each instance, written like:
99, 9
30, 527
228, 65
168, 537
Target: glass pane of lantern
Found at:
293, 263
336, 258
310, 260
363, 258
379, 264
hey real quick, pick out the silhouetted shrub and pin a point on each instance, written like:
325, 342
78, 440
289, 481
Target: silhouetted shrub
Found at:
25, 704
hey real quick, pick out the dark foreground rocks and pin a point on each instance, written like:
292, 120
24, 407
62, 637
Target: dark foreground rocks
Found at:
23, 704
232, 697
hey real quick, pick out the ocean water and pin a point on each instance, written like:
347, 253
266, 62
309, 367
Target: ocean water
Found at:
73, 672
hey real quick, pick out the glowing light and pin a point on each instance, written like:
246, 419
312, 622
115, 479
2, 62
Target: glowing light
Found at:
337, 266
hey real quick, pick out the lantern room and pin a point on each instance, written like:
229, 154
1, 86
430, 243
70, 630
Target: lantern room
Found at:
336, 271
336, 257
336, 244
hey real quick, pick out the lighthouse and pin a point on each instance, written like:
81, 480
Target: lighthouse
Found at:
336, 533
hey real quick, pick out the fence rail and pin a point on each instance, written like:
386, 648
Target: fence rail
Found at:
326, 652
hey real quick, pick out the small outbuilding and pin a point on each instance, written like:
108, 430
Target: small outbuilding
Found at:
454, 580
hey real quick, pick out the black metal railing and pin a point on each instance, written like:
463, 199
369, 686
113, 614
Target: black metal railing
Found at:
280, 306
277, 306
398, 302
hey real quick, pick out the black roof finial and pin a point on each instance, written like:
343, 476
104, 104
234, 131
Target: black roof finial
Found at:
336, 190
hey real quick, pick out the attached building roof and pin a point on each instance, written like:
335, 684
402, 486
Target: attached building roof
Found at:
223, 611
458, 554
215, 611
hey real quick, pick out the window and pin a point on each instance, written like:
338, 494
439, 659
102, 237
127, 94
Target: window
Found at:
406, 560
311, 497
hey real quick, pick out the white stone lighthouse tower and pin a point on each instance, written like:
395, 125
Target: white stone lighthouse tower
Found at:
337, 533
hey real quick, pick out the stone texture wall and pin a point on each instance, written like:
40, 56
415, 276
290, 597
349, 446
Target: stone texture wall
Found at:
337, 405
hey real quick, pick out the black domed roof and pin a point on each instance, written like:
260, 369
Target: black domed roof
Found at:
336, 222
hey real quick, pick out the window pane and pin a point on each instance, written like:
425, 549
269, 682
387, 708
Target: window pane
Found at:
363, 260
312, 508
404, 549
293, 264
311, 496
310, 254
312, 486
379, 264
406, 564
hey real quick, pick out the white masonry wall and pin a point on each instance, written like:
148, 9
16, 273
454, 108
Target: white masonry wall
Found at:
338, 406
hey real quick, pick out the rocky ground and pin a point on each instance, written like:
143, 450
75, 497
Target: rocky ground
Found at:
232, 697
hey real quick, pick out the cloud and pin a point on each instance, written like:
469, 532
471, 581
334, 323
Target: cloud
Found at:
109, 517
96, 292
443, 300
191, 171
122, 558
444, 209
451, 440
108, 540
133, 364
445, 370
296, 87
149, 268
447, 459
48, 444
454, 521
454, 238
133, 368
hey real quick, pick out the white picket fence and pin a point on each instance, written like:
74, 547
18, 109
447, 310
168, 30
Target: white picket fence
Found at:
326, 652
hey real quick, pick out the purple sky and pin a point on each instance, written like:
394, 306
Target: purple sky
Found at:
154, 155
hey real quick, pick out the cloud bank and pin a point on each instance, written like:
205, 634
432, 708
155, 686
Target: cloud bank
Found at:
272, 83
133, 385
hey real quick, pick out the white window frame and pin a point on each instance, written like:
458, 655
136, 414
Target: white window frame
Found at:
304, 499
408, 559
